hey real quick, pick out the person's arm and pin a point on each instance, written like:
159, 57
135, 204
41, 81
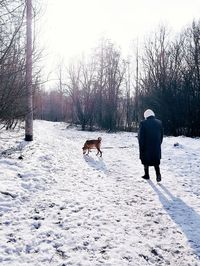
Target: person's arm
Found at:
162, 132
141, 136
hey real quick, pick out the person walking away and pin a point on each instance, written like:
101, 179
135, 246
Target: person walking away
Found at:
150, 137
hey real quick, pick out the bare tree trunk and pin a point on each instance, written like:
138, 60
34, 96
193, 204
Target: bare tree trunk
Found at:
29, 115
136, 90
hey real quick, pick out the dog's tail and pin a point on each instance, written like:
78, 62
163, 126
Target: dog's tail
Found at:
99, 139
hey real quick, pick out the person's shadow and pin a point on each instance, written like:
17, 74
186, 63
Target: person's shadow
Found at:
182, 214
96, 164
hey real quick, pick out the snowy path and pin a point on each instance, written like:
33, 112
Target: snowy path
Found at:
59, 207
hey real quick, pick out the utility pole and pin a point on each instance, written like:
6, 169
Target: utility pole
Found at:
29, 102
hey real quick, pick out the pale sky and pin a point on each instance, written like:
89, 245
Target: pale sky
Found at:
71, 27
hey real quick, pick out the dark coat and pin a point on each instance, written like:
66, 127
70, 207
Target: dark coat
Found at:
150, 137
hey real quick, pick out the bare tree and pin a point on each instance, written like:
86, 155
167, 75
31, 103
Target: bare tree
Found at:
110, 74
161, 64
12, 70
80, 87
191, 86
170, 81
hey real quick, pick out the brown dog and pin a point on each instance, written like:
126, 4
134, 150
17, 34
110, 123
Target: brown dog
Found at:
92, 144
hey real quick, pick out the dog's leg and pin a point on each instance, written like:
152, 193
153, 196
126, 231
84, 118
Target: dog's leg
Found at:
99, 151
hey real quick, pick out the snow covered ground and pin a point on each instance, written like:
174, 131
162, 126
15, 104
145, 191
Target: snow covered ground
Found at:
58, 207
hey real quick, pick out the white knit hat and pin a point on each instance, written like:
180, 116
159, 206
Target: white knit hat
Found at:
148, 113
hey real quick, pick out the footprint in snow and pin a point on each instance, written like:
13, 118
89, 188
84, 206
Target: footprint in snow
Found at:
36, 225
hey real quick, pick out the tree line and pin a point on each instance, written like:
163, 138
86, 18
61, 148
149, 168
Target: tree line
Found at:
109, 92
106, 90
170, 80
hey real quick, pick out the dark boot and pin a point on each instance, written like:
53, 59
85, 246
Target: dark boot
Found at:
158, 175
146, 172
